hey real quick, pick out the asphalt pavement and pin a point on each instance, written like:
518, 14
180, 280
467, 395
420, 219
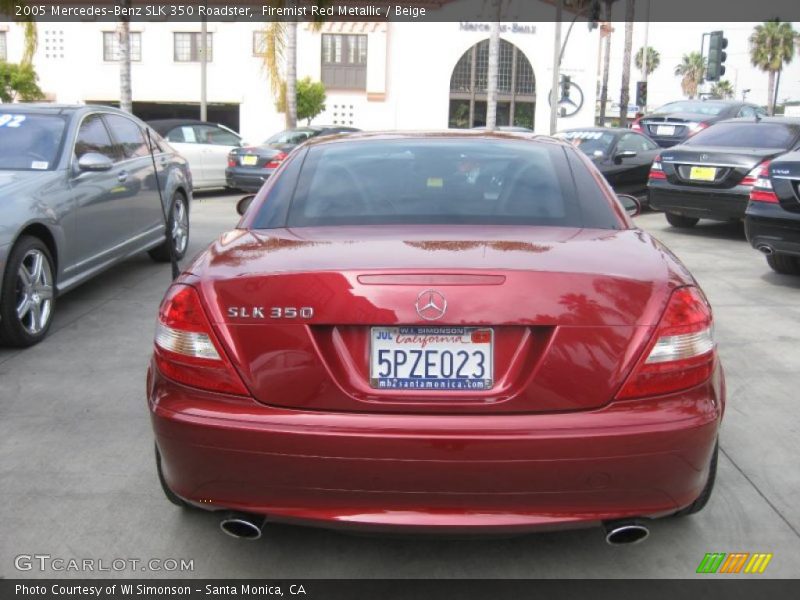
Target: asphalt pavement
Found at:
78, 479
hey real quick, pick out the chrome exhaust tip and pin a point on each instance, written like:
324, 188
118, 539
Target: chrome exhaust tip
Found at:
242, 525
764, 249
622, 532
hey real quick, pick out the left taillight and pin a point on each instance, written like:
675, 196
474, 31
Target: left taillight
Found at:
682, 352
762, 185
656, 170
186, 349
231, 160
276, 160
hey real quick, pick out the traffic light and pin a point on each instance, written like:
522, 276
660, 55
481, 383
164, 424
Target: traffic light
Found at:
716, 56
566, 84
641, 94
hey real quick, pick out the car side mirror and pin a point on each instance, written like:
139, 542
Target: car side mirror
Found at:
92, 161
624, 154
243, 204
630, 204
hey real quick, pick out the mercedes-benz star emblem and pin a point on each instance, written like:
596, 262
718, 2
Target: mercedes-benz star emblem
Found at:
704, 156
431, 305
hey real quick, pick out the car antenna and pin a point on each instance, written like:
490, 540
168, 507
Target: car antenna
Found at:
173, 259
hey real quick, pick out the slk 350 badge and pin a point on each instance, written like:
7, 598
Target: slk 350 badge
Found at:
273, 312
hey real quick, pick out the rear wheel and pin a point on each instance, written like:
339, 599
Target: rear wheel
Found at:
171, 496
680, 220
178, 228
784, 264
28, 299
705, 495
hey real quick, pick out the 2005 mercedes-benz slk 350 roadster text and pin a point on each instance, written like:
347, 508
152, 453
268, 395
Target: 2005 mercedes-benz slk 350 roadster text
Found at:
458, 332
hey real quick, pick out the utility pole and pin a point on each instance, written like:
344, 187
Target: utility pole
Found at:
203, 69
646, 31
556, 69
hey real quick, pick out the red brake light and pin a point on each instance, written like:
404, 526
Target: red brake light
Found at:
186, 349
276, 160
231, 161
656, 171
762, 185
636, 126
682, 352
695, 128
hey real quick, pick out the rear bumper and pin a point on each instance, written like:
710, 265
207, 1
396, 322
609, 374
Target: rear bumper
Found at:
437, 472
769, 224
249, 180
705, 204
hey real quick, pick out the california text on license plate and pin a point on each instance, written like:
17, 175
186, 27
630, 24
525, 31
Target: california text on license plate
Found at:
431, 358
248, 160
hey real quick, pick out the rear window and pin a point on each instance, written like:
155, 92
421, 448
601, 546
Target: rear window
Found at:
747, 135
703, 108
591, 143
437, 181
30, 142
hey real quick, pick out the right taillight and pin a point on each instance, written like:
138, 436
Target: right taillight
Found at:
762, 184
656, 170
276, 160
682, 352
186, 350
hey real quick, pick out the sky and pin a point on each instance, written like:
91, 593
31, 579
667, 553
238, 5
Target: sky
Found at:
673, 40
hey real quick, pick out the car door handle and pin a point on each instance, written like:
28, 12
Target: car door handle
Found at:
122, 177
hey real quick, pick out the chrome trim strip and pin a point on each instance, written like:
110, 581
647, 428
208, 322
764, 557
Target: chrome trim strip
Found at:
114, 248
701, 164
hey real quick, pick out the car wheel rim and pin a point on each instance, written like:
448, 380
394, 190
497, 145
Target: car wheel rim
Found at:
34, 292
180, 226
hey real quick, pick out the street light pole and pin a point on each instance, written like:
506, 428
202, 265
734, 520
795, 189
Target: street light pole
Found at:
203, 69
646, 31
556, 69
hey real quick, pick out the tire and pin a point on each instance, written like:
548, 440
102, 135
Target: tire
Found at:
171, 496
705, 495
32, 292
784, 264
178, 213
680, 221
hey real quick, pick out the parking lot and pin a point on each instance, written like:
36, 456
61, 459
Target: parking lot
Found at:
79, 481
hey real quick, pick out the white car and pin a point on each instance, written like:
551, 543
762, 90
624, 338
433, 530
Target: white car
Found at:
204, 145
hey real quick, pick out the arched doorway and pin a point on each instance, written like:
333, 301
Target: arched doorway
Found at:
516, 88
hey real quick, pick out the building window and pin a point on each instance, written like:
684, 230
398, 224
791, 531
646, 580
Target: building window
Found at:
344, 61
3, 47
187, 47
259, 43
516, 88
111, 46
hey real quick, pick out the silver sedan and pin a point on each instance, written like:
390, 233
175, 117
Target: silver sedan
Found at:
81, 189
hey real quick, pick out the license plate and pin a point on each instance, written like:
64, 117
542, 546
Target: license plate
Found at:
703, 173
431, 358
249, 160
665, 130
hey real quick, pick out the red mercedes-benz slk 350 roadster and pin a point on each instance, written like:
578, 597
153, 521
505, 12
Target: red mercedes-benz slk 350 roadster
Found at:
456, 332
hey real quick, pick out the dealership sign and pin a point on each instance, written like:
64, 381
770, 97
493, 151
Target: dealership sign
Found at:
504, 27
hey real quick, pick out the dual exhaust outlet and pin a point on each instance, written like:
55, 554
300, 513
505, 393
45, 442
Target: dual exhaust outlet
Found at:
765, 249
250, 527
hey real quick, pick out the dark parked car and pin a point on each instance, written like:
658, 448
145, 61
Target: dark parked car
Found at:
622, 156
249, 167
711, 174
675, 122
80, 190
772, 223
449, 332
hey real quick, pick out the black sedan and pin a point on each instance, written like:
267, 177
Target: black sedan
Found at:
675, 122
710, 176
622, 156
772, 223
250, 166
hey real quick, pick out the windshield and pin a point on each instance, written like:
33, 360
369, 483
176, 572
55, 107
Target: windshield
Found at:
291, 136
747, 135
30, 141
591, 143
438, 181
698, 107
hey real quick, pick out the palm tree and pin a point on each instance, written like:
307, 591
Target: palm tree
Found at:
722, 89
605, 30
692, 69
624, 96
7, 7
653, 59
772, 46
